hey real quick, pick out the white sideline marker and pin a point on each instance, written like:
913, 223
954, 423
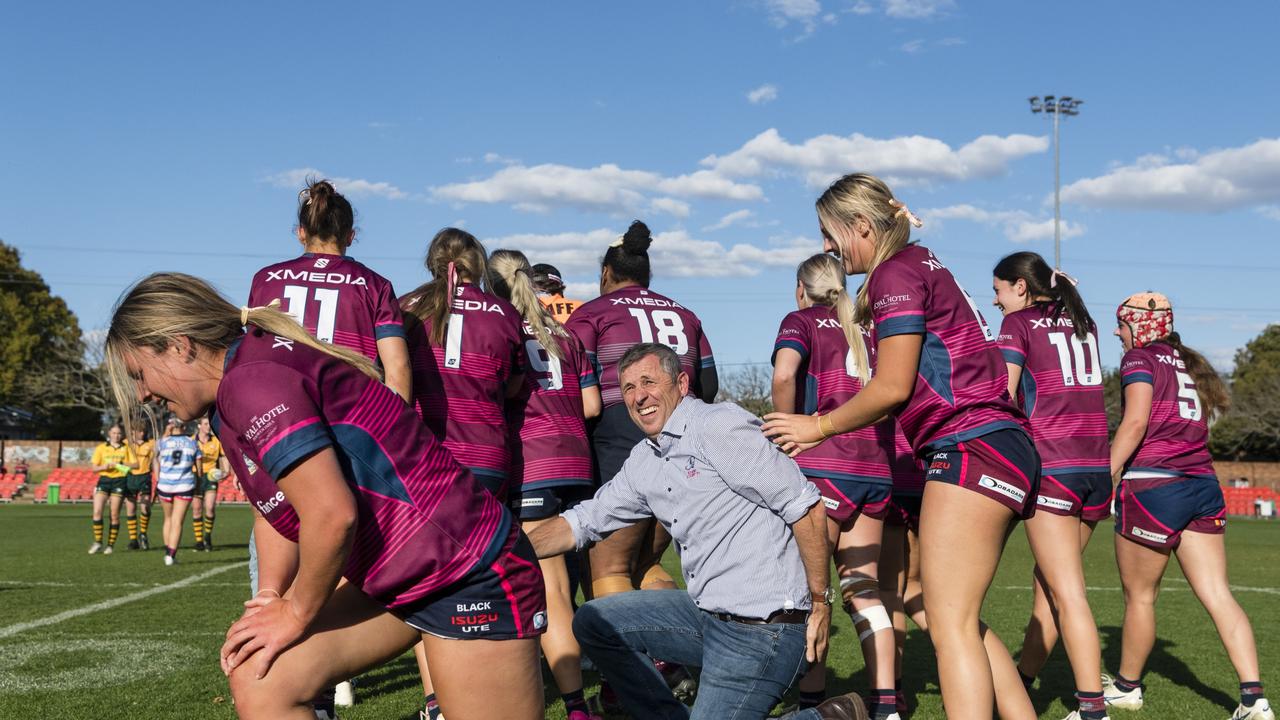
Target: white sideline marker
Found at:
115, 602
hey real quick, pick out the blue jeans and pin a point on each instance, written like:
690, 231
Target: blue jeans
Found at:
745, 668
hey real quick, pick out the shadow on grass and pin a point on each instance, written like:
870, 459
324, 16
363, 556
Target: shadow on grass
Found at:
1162, 662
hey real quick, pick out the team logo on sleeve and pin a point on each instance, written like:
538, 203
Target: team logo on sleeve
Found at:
249, 464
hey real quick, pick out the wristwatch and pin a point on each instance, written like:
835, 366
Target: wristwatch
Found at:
826, 597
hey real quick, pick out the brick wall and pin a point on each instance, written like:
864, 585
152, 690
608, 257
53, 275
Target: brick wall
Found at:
1260, 474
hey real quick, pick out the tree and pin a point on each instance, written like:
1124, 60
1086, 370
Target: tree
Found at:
1250, 430
42, 354
750, 386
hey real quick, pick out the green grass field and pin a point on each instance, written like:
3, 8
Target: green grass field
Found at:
66, 651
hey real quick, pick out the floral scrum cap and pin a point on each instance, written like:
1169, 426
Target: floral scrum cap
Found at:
1149, 316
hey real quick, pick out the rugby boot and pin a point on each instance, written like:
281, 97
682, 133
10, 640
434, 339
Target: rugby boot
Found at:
1117, 698
133, 545
143, 542
94, 548
1260, 710
1075, 715
108, 550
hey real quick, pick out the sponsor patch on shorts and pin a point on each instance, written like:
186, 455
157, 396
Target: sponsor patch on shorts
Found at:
532, 502
1002, 487
1148, 535
831, 504
1052, 502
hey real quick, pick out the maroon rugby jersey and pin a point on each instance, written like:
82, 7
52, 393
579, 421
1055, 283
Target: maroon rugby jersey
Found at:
460, 389
1177, 431
830, 380
962, 390
545, 419
611, 324
334, 297
1060, 389
424, 522
908, 475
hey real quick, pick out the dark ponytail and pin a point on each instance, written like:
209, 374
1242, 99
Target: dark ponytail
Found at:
323, 213
1209, 386
629, 260
1064, 298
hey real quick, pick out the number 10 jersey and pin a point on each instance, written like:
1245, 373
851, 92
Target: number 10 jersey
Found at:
1060, 389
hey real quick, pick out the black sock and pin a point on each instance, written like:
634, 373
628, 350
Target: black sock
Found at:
1027, 680
431, 706
813, 698
882, 702
574, 701
1092, 706
1126, 685
1250, 693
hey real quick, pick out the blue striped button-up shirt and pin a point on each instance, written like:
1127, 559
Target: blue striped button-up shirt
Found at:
728, 497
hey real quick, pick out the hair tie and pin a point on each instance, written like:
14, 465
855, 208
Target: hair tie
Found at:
904, 211
1053, 279
245, 310
305, 196
451, 279
618, 242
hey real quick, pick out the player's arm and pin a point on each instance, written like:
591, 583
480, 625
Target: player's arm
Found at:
1015, 376
100, 464
1133, 426
591, 402
892, 385
786, 365
393, 353
277, 558
327, 516
708, 383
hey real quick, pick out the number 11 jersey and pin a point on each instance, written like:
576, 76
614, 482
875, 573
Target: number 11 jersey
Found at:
611, 324
334, 297
1060, 389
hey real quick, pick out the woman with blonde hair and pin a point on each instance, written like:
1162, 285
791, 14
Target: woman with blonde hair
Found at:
551, 454
348, 484
942, 377
821, 359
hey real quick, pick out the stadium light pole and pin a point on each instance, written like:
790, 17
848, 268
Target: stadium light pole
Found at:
1058, 106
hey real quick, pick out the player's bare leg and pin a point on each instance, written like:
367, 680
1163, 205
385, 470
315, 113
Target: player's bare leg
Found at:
962, 534
1203, 558
1055, 543
1042, 630
1141, 569
559, 646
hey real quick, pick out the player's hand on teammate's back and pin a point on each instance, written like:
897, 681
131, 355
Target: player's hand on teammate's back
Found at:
269, 625
793, 433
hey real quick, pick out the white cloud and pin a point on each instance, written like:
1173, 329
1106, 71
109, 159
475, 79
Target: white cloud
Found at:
802, 12
606, 188
674, 253
732, 218
296, 179
1017, 225
1214, 181
912, 47
916, 9
582, 290
862, 7
670, 206
899, 160
1270, 212
495, 158
764, 94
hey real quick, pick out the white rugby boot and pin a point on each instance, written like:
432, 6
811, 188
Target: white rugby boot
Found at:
1260, 710
1117, 698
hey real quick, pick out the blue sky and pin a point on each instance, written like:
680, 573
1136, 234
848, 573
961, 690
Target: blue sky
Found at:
176, 138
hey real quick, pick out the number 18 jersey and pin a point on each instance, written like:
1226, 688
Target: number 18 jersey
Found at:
334, 297
611, 324
1177, 436
1060, 389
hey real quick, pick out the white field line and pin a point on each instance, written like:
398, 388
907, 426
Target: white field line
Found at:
1092, 588
115, 602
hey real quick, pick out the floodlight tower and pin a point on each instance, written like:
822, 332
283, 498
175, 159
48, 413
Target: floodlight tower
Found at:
1057, 106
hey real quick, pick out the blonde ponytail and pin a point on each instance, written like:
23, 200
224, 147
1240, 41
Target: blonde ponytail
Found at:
860, 195
164, 307
511, 278
822, 279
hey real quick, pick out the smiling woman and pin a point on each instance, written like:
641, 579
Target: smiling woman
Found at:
293, 413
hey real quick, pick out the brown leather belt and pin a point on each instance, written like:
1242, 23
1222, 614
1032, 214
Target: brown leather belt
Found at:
789, 617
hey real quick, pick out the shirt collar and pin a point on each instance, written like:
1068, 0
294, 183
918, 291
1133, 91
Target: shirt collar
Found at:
678, 424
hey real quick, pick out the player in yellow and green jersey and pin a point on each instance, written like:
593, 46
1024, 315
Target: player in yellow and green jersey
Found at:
138, 489
113, 460
210, 470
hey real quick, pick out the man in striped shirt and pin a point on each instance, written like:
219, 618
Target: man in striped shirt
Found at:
751, 533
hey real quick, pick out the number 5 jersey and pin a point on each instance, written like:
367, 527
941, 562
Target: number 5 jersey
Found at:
1176, 443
